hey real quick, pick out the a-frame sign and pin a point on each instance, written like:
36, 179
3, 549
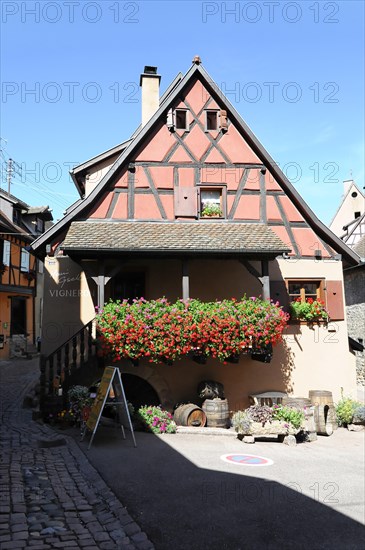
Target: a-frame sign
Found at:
111, 380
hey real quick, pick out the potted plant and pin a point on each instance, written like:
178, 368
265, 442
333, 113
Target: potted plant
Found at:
263, 420
156, 420
309, 310
212, 211
30, 275
80, 401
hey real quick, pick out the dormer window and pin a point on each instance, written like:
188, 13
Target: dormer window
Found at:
40, 225
181, 119
211, 121
16, 216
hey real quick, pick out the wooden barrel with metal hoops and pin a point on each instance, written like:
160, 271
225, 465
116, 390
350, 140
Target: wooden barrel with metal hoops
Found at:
190, 415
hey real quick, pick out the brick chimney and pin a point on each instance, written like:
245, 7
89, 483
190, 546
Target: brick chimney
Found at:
150, 83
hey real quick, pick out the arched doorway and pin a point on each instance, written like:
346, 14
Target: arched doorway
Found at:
138, 391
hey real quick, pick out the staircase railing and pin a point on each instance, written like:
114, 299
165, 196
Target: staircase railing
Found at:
58, 367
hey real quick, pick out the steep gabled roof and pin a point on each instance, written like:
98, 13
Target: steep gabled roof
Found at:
9, 227
198, 72
353, 184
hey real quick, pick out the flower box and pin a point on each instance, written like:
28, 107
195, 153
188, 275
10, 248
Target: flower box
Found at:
164, 332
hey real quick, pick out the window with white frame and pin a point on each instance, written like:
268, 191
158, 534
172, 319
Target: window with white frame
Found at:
211, 120
212, 201
24, 260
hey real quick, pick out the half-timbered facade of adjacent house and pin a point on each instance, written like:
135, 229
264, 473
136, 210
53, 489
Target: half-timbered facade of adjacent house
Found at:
194, 206
20, 288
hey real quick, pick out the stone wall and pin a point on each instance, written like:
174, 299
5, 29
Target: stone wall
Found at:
355, 308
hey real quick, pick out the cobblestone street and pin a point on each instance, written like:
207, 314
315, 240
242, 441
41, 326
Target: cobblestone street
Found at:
51, 496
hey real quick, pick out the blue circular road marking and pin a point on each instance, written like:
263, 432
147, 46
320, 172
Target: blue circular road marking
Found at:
247, 460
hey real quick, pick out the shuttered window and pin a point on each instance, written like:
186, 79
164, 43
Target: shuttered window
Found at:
186, 202
6, 252
331, 292
335, 305
24, 260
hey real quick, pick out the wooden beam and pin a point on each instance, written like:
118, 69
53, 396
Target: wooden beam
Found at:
185, 279
265, 280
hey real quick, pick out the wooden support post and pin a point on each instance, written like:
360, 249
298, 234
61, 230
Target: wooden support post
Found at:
265, 280
101, 289
185, 279
101, 280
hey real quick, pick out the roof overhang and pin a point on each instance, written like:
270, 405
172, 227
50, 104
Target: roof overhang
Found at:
203, 238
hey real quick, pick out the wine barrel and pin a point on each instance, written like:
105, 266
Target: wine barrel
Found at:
217, 413
325, 413
190, 415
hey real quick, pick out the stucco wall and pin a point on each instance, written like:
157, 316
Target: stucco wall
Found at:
311, 358
346, 212
308, 359
68, 302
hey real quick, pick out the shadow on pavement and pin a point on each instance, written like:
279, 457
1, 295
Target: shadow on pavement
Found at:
181, 505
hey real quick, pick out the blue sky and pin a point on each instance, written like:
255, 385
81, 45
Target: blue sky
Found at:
293, 70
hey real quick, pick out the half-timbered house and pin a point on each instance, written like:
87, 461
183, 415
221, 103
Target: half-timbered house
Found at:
192, 205
21, 275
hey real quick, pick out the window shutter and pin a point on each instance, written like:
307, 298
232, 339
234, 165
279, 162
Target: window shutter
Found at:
279, 293
24, 260
335, 306
170, 119
6, 253
186, 202
223, 123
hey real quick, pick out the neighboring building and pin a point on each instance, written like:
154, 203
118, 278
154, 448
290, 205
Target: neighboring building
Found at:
140, 229
349, 225
21, 275
349, 217
355, 307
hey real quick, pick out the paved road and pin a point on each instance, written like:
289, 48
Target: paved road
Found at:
51, 497
185, 496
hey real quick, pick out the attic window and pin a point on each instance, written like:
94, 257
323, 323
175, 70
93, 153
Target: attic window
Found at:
354, 194
181, 119
211, 120
357, 215
212, 201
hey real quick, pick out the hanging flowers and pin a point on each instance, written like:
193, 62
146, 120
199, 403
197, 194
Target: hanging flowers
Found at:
161, 331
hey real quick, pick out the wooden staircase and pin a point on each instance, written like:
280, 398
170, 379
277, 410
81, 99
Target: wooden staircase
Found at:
74, 362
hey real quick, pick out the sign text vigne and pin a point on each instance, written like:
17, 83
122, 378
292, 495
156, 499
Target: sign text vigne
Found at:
75, 293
